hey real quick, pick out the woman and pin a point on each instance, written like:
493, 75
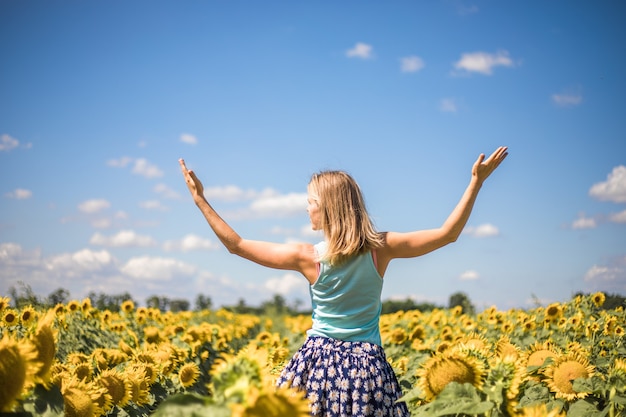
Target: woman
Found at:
342, 365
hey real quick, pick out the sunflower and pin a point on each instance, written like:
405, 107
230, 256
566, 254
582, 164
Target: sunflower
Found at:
474, 342
282, 402
139, 386
529, 324
278, 355
233, 376
73, 306
598, 299
106, 358
85, 305
149, 370
168, 356
575, 320
506, 350
617, 375
82, 399
609, 326
44, 339
17, 370
152, 334
28, 315
126, 348
10, 317
538, 353
5, 302
417, 333
452, 365
59, 309
397, 336
75, 358
128, 306
188, 374
565, 369
116, 385
106, 317
553, 312
446, 333
401, 365
264, 337
83, 372
509, 375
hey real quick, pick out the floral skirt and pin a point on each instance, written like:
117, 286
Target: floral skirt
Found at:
344, 379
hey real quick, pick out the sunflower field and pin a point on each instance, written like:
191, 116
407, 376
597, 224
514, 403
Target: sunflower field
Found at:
566, 359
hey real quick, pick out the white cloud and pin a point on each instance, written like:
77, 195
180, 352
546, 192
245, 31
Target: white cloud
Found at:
280, 204
263, 203
584, 223
618, 217
102, 223
86, 270
307, 231
484, 230
156, 268
188, 139
81, 262
153, 205
120, 162
448, 105
287, 284
19, 194
166, 191
469, 276
613, 189
188, 243
609, 278
411, 63
483, 62
360, 50
94, 205
8, 143
124, 238
146, 169
231, 193
567, 100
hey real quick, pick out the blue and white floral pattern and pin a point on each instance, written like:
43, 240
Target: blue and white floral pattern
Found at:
344, 379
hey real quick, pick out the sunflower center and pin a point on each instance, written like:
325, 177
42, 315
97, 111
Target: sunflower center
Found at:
566, 373
539, 357
452, 369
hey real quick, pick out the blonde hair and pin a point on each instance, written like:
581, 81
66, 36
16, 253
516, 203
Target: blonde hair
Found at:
347, 226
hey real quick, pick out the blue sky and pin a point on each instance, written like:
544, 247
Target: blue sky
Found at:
99, 100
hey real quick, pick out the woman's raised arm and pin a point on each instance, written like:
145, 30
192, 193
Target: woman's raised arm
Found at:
412, 244
291, 256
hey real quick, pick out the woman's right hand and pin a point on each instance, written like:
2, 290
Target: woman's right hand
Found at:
193, 183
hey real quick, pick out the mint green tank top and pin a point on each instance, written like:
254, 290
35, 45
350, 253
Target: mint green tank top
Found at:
346, 299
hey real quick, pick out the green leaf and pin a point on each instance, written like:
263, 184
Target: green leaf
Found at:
190, 405
535, 394
414, 394
582, 408
594, 384
619, 399
45, 403
455, 399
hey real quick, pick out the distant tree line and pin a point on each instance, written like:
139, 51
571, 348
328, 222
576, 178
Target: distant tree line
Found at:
24, 296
